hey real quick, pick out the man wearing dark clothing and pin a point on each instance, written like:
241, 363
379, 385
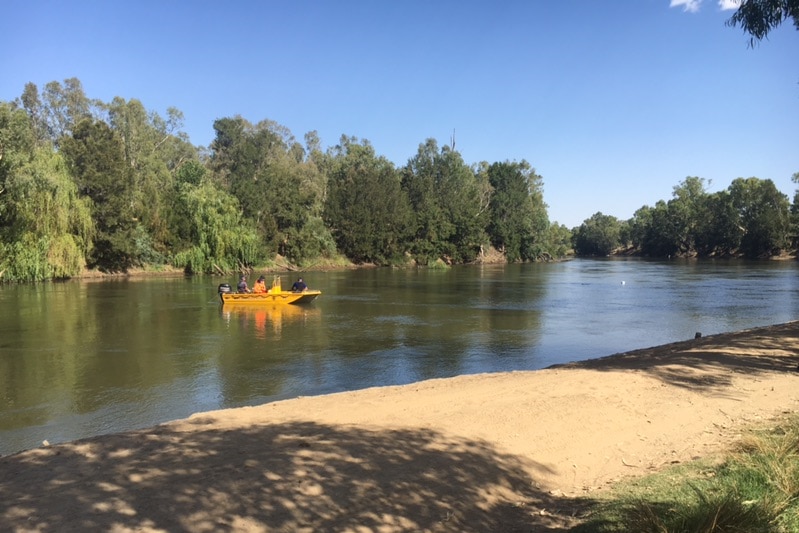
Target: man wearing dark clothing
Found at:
299, 286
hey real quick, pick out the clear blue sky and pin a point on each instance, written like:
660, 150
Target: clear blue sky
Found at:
613, 103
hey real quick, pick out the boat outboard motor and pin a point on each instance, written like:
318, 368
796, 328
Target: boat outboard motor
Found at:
224, 288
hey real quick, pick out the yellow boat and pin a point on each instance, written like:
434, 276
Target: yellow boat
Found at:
275, 295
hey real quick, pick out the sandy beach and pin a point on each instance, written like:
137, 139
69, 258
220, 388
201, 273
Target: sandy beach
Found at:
480, 453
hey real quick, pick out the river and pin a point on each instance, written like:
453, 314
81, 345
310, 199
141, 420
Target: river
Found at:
86, 357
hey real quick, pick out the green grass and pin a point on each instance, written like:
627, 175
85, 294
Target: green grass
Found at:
754, 489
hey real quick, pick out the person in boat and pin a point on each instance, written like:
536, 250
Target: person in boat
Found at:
242, 286
260, 286
299, 286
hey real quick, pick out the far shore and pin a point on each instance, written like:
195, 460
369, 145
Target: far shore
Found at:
286, 268
503, 452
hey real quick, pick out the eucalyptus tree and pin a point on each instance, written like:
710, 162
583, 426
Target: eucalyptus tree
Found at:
62, 107
366, 209
639, 226
45, 228
153, 148
559, 240
718, 233
691, 223
759, 17
764, 216
239, 156
444, 195
32, 103
431, 225
296, 196
17, 139
653, 231
518, 217
687, 211
278, 187
464, 198
96, 160
794, 231
599, 235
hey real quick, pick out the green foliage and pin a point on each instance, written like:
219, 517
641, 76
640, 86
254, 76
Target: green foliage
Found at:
46, 230
685, 211
148, 145
559, 240
759, 17
313, 241
16, 145
217, 238
718, 231
794, 216
25, 259
654, 231
95, 156
764, 215
62, 107
599, 235
265, 168
751, 218
132, 191
518, 218
366, 209
444, 194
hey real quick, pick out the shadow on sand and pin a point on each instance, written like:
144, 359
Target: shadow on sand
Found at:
309, 477
288, 477
710, 362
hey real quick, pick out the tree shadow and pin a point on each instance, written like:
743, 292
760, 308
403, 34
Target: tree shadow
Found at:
294, 477
710, 362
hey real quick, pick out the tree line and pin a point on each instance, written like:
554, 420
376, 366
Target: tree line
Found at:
112, 186
751, 218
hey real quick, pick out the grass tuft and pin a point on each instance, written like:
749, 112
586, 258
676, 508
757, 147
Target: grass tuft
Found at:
754, 489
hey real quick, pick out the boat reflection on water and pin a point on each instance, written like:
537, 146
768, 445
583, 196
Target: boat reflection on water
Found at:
268, 320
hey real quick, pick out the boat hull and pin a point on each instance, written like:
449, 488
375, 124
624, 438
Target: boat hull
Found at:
234, 298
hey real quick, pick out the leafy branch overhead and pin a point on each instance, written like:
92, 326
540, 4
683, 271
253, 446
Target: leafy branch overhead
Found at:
759, 17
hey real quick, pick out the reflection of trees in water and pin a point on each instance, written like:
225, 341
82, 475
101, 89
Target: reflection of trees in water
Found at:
80, 346
264, 346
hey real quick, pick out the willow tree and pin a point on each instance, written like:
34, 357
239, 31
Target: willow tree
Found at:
45, 228
213, 235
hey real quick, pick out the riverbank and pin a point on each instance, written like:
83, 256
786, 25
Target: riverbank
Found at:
515, 451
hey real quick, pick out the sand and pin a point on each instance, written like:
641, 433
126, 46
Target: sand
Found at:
519, 451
